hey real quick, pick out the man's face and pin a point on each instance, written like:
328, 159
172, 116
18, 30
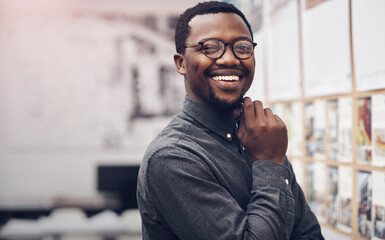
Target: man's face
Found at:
217, 83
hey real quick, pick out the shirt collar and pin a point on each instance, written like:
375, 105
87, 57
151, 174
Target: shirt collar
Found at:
222, 125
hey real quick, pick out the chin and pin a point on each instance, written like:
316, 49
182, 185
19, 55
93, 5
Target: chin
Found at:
225, 105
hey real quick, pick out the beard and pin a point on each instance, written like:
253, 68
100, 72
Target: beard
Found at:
223, 105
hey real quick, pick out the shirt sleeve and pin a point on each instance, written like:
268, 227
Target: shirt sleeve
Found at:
192, 204
271, 209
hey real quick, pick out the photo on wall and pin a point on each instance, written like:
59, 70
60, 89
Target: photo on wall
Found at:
345, 129
291, 114
325, 47
364, 198
378, 205
345, 195
282, 23
332, 201
316, 188
378, 121
367, 20
364, 131
332, 130
315, 121
379, 222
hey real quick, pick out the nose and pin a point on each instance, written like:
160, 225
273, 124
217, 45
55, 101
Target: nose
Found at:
228, 58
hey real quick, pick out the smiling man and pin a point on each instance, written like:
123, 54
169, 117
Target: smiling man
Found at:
217, 78
218, 170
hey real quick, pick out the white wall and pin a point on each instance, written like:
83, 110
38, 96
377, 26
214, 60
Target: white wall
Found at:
67, 101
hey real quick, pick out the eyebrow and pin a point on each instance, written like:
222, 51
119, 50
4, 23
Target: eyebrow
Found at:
206, 39
236, 39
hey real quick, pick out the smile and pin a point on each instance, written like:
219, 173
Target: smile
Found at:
226, 78
227, 82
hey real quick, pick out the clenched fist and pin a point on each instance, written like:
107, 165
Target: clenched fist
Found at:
262, 133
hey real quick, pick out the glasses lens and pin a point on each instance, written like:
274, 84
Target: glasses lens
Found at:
213, 48
243, 49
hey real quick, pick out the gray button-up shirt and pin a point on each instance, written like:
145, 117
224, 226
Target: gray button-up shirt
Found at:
197, 182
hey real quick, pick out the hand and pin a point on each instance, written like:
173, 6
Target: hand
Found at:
262, 133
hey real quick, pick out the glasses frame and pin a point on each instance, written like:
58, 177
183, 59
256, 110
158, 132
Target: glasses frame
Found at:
224, 49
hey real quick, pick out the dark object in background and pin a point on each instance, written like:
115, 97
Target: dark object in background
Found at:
119, 181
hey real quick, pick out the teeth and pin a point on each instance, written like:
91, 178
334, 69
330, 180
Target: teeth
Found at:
226, 78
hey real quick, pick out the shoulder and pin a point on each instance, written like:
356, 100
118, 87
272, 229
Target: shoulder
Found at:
176, 157
171, 137
175, 146
170, 162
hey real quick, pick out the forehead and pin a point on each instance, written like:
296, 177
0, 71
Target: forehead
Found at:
223, 26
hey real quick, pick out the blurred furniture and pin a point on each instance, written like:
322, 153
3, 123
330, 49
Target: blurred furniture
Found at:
72, 223
113, 215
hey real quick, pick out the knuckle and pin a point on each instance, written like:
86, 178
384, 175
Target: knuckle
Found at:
268, 110
248, 104
252, 129
264, 126
281, 127
258, 103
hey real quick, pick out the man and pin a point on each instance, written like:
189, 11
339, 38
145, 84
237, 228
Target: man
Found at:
218, 170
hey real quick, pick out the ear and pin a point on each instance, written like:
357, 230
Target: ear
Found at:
180, 64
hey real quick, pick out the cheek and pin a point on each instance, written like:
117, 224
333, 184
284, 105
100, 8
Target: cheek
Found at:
251, 66
195, 68
199, 63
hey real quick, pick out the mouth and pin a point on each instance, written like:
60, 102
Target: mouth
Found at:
226, 78
227, 81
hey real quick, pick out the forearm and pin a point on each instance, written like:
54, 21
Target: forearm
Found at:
293, 218
271, 209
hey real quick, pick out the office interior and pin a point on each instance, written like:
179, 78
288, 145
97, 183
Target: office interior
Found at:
85, 86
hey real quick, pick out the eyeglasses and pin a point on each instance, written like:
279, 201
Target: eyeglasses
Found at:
214, 48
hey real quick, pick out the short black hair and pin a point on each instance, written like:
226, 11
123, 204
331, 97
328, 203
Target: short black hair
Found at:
182, 30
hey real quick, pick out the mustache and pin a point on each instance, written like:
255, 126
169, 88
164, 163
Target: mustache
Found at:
226, 70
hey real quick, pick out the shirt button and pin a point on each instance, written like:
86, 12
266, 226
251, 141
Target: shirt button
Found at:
228, 135
243, 148
287, 181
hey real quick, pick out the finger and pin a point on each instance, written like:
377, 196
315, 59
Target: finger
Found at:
278, 120
259, 111
269, 114
248, 111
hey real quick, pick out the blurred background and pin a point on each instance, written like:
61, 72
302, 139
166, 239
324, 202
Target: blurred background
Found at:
85, 86
82, 83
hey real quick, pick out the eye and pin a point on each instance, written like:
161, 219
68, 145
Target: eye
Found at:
211, 46
243, 47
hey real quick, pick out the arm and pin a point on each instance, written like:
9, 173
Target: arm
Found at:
259, 125
193, 205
